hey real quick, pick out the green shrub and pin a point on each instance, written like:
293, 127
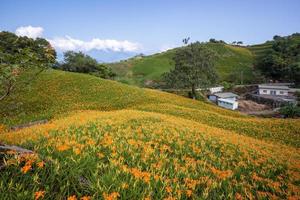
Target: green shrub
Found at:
290, 111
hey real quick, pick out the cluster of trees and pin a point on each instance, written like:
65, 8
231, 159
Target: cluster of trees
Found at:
237, 43
212, 40
82, 63
282, 61
21, 60
194, 68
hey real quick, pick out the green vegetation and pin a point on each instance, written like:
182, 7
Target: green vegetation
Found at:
56, 93
290, 111
145, 70
194, 68
79, 62
22, 59
107, 140
279, 59
233, 64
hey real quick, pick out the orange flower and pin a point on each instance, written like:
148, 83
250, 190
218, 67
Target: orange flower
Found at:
73, 197
238, 196
168, 189
107, 140
77, 151
25, 169
221, 174
63, 147
112, 196
189, 193
39, 195
41, 164
100, 155
85, 198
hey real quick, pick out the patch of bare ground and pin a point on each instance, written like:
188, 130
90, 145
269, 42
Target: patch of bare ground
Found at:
251, 107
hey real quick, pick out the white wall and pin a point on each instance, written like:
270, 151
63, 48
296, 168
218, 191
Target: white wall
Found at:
231, 106
215, 89
231, 98
277, 91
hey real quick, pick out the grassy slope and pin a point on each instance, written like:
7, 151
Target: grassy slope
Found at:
230, 62
261, 49
56, 93
146, 143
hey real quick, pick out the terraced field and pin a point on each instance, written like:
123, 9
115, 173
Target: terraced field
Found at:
106, 140
261, 49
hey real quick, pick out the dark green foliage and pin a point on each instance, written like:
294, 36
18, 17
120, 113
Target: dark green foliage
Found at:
212, 40
227, 85
194, 67
22, 56
282, 60
82, 63
290, 111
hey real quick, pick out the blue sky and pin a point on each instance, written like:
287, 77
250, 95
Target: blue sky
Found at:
125, 28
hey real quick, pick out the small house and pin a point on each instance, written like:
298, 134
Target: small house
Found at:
216, 89
228, 103
274, 90
225, 99
222, 95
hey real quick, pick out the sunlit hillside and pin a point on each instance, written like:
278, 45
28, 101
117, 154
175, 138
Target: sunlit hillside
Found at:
109, 140
232, 62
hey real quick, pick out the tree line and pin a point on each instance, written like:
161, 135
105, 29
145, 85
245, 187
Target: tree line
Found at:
282, 61
82, 63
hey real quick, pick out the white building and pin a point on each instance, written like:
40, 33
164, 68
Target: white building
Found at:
225, 99
216, 89
223, 95
228, 103
273, 90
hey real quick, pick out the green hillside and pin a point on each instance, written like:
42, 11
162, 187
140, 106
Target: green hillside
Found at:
232, 61
56, 93
261, 49
107, 140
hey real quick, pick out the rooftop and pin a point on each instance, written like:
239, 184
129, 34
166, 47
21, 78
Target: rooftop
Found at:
225, 94
272, 86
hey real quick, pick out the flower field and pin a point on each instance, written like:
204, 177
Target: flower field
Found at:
110, 141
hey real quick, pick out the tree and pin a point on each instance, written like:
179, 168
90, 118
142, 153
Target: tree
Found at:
21, 60
194, 67
239, 43
213, 40
78, 62
186, 40
82, 63
282, 61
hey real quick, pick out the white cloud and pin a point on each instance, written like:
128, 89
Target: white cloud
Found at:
30, 31
68, 43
